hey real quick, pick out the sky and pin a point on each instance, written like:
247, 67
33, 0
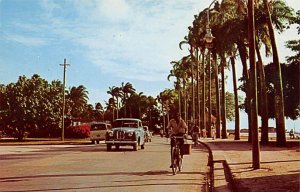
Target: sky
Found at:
106, 42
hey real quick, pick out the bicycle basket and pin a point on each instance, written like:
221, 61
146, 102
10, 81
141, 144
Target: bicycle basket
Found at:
186, 149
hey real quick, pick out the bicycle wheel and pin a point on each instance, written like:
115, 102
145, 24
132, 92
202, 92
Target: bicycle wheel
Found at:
174, 161
179, 161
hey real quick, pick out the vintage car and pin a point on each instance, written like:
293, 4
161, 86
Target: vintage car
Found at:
98, 131
148, 134
126, 131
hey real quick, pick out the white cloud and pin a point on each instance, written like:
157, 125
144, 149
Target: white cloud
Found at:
139, 43
25, 40
115, 10
48, 7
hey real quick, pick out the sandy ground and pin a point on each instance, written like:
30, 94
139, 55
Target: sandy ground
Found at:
279, 167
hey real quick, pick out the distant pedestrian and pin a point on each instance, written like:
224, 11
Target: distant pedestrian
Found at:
204, 133
292, 134
161, 132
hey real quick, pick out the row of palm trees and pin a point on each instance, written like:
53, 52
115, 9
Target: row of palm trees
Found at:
126, 102
196, 72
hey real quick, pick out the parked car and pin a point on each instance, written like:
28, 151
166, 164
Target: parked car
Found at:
126, 131
98, 131
148, 134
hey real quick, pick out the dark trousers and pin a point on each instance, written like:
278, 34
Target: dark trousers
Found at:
181, 141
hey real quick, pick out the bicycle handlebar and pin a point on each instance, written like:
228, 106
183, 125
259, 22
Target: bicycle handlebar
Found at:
178, 137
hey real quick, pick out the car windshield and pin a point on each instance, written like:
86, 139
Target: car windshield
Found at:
125, 123
95, 127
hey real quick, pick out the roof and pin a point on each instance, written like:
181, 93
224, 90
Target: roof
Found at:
131, 119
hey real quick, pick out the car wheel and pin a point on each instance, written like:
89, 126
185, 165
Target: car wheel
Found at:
135, 147
108, 147
93, 142
97, 141
117, 147
143, 146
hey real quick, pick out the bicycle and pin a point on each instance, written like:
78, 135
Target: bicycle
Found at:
176, 156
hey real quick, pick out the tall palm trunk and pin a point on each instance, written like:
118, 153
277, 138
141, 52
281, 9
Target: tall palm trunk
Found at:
254, 112
223, 101
185, 100
125, 113
236, 102
209, 96
117, 107
243, 55
179, 98
263, 97
164, 117
198, 91
193, 87
218, 114
279, 102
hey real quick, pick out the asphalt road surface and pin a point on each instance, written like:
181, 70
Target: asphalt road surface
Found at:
46, 168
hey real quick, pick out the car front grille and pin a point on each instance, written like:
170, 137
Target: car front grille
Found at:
119, 135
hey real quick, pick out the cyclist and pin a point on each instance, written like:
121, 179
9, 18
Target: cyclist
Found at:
177, 127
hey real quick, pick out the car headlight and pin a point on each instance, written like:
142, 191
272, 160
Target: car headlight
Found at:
110, 134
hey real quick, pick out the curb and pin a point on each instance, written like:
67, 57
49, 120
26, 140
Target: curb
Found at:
227, 171
211, 167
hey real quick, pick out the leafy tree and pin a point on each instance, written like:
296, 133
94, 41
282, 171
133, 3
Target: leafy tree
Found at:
290, 77
31, 106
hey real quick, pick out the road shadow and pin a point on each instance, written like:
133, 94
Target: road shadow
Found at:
265, 162
147, 173
288, 182
232, 145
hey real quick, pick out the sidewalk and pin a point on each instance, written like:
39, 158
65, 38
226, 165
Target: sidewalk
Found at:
279, 172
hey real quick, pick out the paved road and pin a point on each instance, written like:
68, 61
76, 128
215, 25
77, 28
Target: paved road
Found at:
91, 168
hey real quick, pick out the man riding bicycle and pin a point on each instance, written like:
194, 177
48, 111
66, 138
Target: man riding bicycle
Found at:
177, 127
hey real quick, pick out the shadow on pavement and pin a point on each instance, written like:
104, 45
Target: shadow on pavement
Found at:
288, 182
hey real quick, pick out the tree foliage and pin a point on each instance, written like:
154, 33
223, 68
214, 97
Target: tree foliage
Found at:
290, 80
31, 106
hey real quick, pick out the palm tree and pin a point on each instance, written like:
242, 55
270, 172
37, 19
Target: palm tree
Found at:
99, 111
182, 70
112, 102
167, 99
223, 99
263, 96
218, 111
78, 97
127, 90
179, 74
279, 102
116, 92
150, 105
236, 101
254, 110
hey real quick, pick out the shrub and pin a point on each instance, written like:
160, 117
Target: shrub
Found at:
80, 131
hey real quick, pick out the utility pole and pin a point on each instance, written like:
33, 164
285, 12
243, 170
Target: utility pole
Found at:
64, 100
